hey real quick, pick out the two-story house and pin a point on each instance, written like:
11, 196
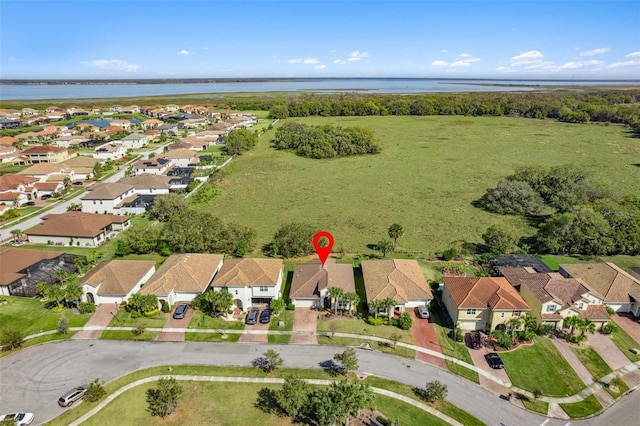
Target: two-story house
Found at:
182, 157
149, 183
44, 154
105, 197
156, 165
109, 151
135, 141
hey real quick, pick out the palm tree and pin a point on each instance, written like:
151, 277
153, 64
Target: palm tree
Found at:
210, 297
571, 322
387, 304
530, 322
375, 306
352, 299
514, 323
62, 275
79, 262
384, 246
334, 293
585, 325
73, 292
55, 292
17, 233
395, 231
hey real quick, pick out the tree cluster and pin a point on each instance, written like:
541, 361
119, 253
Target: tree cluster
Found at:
584, 217
291, 240
609, 106
240, 141
325, 141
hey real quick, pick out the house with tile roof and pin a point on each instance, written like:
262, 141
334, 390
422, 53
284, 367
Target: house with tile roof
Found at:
8, 153
109, 151
105, 197
484, 303
80, 229
182, 157
621, 290
114, 281
183, 276
399, 279
553, 297
149, 183
311, 283
151, 123
250, 281
135, 141
155, 165
82, 166
44, 154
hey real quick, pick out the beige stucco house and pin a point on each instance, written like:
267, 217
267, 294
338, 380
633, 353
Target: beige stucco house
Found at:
114, 281
311, 283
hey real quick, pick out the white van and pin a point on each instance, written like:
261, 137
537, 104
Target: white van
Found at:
422, 311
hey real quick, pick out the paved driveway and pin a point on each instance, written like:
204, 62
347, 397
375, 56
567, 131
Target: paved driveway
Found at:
255, 338
630, 324
305, 320
424, 335
477, 355
175, 336
100, 318
609, 352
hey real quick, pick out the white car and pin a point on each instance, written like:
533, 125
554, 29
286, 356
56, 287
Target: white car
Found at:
21, 419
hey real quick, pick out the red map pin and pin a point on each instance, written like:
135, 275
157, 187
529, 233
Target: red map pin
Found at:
323, 252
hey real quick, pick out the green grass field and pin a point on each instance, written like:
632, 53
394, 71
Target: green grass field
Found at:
588, 406
287, 317
624, 342
429, 172
592, 361
30, 316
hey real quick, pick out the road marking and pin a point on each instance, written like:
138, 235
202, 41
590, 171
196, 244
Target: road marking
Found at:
544, 423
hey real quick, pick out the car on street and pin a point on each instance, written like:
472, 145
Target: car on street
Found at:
21, 419
422, 312
75, 394
252, 316
476, 340
494, 360
181, 311
265, 316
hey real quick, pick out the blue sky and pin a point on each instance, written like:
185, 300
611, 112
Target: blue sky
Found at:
207, 39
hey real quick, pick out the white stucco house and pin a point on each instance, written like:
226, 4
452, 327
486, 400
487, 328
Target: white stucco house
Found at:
156, 165
135, 141
114, 281
250, 281
109, 151
106, 197
149, 184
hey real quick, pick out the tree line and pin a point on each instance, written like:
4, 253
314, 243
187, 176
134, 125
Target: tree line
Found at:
575, 215
324, 141
610, 106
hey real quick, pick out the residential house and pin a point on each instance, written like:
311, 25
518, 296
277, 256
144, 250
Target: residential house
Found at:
136, 204
134, 141
8, 153
156, 165
8, 140
45, 171
621, 291
182, 157
193, 143
13, 199
22, 269
311, 283
171, 108
130, 109
182, 277
115, 281
517, 261
250, 281
82, 166
106, 197
15, 184
485, 303
48, 188
123, 124
168, 129
72, 141
9, 123
399, 279
29, 111
148, 183
553, 297
109, 151
80, 229
151, 123
44, 154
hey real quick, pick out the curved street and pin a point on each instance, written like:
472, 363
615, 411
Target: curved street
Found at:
34, 378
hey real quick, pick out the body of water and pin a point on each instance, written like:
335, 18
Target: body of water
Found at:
101, 122
367, 85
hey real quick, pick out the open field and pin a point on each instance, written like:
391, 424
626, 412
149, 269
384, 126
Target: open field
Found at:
429, 172
30, 316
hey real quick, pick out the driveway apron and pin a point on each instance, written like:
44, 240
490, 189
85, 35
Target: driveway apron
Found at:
424, 336
477, 355
305, 320
609, 352
255, 338
100, 318
175, 336
628, 323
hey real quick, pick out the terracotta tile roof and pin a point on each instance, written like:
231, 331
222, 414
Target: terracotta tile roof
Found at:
117, 277
81, 161
616, 285
12, 180
311, 278
46, 186
399, 279
188, 273
9, 195
43, 149
180, 153
76, 224
480, 293
595, 313
147, 180
8, 140
248, 272
106, 191
13, 261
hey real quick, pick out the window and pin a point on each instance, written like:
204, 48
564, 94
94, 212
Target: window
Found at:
501, 314
516, 313
551, 308
263, 288
471, 311
94, 202
236, 291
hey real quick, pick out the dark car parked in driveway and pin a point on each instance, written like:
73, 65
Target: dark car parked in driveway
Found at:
265, 316
181, 311
494, 360
252, 316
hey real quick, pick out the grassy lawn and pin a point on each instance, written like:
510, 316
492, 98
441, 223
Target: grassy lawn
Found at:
203, 321
536, 405
124, 319
128, 335
622, 389
358, 326
541, 365
379, 346
448, 160
211, 337
622, 261
588, 406
625, 342
30, 316
593, 362
408, 415
287, 317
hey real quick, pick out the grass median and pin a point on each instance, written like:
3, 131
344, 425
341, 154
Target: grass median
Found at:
584, 408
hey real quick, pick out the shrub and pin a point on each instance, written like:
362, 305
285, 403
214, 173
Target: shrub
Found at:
166, 308
277, 305
87, 308
393, 322
610, 310
405, 321
63, 325
151, 313
449, 254
3, 299
457, 335
135, 314
11, 339
375, 321
291, 306
95, 391
139, 329
435, 391
609, 328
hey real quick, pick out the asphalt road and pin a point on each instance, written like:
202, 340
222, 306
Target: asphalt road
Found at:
33, 379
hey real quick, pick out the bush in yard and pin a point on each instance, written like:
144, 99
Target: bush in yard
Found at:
504, 339
166, 308
164, 399
435, 391
449, 254
609, 328
95, 391
63, 325
277, 306
405, 321
375, 321
11, 339
87, 307
139, 329
151, 313
291, 306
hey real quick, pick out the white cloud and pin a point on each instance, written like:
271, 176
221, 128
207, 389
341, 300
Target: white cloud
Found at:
333, 51
306, 61
579, 64
184, 53
595, 52
113, 64
631, 63
439, 63
633, 55
357, 55
339, 62
466, 61
205, 48
532, 54
320, 67
444, 51
465, 55
460, 64
12, 59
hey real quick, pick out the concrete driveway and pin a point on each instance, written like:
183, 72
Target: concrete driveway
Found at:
100, 318
255, 338
477, 355
424, 335
305, 320
609, 352
175, 336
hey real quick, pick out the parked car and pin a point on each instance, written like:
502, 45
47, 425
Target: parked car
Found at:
252, 316
78, 183
494, 360
422, 311
476, 340
265, 316
181, 311
30, 203
45, 197
72, 396
21, 419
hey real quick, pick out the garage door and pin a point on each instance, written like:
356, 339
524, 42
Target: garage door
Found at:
472, 325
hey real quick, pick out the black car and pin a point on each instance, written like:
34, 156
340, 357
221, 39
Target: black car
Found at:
181, 311
78, 183
30, 203
494, 360
265, 316
252, 316
45, 197
476, 340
